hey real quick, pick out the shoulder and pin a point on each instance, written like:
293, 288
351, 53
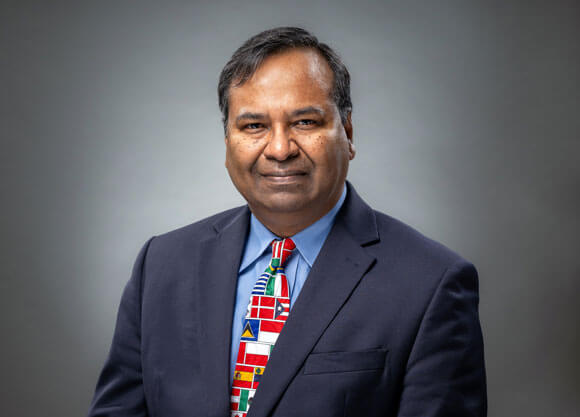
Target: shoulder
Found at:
194, 233
418, 268
392, 242
410, 249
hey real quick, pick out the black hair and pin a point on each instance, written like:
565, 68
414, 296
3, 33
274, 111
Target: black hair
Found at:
248, 57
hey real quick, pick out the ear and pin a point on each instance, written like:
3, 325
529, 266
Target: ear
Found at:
348, 131
226, 135
226, 130
226, 141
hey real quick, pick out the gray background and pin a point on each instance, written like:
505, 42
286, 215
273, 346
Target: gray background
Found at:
466, 124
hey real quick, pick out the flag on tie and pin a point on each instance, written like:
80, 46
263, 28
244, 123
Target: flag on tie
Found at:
267, 312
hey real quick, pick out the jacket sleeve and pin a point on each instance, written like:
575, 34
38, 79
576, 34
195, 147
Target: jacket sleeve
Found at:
119, 390
445, 374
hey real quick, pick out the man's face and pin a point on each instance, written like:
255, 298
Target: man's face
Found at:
287, 150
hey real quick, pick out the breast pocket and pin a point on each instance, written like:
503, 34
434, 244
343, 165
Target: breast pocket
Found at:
332, 362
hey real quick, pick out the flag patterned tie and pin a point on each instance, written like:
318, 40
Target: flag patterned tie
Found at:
267, 312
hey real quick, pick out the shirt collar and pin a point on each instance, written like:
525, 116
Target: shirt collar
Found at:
308, 241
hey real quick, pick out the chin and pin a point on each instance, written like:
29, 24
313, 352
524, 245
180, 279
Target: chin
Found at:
285, 203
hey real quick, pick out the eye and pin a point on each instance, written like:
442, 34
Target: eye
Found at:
253, 126
306, 124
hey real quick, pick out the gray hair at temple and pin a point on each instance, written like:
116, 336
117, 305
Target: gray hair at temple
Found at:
246, 60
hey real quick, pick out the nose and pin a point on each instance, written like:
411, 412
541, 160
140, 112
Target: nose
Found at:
281, 145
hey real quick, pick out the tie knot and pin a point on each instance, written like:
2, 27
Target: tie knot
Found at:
281, 251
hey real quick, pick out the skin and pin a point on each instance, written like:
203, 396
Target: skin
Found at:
287, 151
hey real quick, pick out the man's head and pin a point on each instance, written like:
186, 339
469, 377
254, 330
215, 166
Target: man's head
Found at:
288, 129
252, 53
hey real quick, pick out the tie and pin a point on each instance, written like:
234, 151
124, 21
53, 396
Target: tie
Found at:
267, 312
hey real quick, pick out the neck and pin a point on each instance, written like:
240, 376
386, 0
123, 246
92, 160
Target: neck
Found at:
284, 225
288, 224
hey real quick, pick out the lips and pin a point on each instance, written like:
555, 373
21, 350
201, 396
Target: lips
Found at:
283, 174
284, 178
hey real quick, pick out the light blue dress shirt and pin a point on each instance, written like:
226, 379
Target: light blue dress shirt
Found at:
257, 254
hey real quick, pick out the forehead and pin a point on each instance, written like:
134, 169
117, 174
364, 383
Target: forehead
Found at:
297, 77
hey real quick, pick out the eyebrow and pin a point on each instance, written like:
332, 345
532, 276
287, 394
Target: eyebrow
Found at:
251, 116
307, 110
296, 113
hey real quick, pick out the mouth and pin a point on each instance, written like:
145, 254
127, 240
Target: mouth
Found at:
280, 177
278, 174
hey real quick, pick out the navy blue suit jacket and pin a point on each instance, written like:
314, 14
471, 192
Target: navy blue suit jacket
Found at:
386, 325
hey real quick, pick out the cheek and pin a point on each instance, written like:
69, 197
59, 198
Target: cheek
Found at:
334, 153
241, 155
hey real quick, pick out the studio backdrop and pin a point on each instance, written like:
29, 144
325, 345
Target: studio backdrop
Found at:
466, 125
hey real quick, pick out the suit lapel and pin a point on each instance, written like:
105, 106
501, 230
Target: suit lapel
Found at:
220, 258
337, 270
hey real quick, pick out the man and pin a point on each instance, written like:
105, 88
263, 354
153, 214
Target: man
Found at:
356, 313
